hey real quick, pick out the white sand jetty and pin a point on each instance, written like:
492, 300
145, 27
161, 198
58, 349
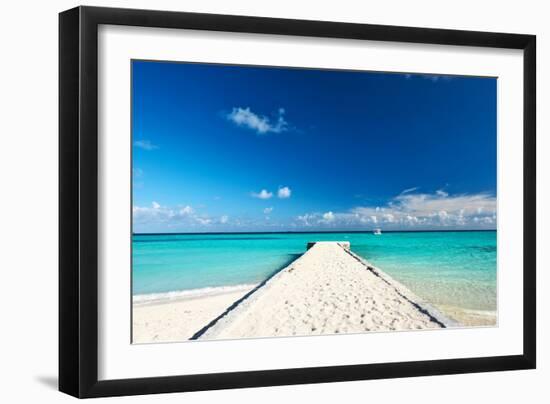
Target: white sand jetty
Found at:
327, 290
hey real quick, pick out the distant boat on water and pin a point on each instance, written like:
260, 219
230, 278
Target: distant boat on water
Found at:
377, 232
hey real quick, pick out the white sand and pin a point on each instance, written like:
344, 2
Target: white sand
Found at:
178, 320
328, 290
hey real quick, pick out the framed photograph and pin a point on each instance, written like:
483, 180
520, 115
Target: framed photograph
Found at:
251, 201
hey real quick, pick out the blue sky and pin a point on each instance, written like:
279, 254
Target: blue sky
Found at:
234, 148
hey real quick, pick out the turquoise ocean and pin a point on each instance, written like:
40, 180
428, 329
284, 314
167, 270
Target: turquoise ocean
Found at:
455, 269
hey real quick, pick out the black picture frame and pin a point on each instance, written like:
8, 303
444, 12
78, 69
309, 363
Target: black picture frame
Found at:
78, 201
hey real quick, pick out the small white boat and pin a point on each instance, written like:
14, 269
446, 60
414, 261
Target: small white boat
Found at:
377, 232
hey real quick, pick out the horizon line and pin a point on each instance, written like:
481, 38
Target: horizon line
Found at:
312, 232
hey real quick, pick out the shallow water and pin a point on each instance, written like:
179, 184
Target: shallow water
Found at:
455, 269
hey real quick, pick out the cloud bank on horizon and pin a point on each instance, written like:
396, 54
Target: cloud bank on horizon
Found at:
407, 211
414, 211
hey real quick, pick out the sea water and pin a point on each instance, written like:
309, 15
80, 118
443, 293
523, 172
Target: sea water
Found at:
455, 269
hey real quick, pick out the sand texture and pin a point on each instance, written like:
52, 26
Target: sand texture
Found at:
178, 320
328, 290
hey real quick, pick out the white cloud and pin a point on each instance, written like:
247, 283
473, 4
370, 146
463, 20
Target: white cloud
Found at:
258, 123
439, 209
170, 217
388, 217
186, 210
263, 194
267, 211
284, 192
307, 219
203, 220
145, 145
408, 190
411, 210
328, 217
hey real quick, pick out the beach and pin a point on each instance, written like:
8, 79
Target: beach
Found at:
178, 319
